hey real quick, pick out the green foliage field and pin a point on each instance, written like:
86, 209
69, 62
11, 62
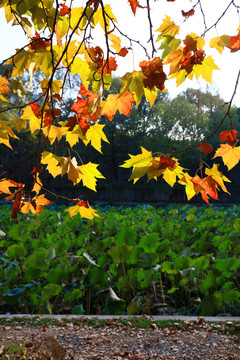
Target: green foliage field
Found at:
177, 259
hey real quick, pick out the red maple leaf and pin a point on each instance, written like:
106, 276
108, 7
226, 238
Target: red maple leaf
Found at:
154, 74
39, 43
166, 162
64, 10
17, 204
36, 109
50, 115
80, 202
123, 52
229, 136
207, 148
188, 13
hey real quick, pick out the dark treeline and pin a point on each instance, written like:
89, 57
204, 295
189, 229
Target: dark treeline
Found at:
170, 125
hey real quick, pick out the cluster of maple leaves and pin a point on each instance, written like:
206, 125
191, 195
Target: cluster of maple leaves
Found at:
185, 58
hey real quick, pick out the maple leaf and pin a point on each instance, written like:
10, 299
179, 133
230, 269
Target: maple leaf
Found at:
134, 82
205, 69
4, 89
95, 135
206, 186
52, 161
86, 109
141, 163
35, 205
115, 102
39, 43
229, 154
5, 184
5, 133
64, 10
229, 136
168, 27
188, 13
52, 133
84, 209
109, 66
123, 52
34, 121
70, 167
234, 43
116, 42
89, 175
189, 186
134, 5
17, 204
207, 148
220, 42
217, 176
154, 74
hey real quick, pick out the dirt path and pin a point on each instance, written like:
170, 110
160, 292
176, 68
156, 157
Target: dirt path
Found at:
76, 341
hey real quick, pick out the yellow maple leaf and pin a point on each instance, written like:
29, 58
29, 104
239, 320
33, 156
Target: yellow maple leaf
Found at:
134, 82
81, 67
4, 89
52, 161
168, 27
37, 184
140, 163
89, 175
205, 69
20, 124
52, 132
217, 176
85, 212
70, 167
220, 42
150, 95
5, 132
35, 205
170, 174
229, 154
116, 42
189, 186
34, 122
95, 135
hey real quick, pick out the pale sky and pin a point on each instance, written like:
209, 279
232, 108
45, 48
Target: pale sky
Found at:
137, 28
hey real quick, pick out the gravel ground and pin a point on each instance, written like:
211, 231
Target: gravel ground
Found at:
199, 340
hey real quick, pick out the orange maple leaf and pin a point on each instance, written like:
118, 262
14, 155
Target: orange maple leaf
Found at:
4, 89
207, 148
206, 186
134, 5
108, 66
115, 102
86, 109
229, 136
234, 43
154, 74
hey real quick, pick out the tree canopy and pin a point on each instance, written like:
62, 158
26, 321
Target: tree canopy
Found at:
77, 49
